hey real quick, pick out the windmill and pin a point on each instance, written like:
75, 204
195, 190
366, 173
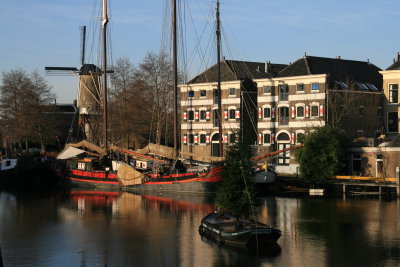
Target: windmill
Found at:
89, 102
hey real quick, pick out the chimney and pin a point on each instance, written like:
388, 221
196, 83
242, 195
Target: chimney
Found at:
398, 56
268, 66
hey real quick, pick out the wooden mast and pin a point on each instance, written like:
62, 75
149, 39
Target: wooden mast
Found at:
218, 32
104, 41
175, 67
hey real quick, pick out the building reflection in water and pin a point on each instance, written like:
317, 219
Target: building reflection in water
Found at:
123, 229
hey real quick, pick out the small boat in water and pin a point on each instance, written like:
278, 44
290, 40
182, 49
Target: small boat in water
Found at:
225, 228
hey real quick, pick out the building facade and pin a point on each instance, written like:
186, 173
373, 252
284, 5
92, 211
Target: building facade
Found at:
283, 103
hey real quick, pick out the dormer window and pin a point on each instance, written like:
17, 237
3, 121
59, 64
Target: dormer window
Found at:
362, 86
341, 85
372, 87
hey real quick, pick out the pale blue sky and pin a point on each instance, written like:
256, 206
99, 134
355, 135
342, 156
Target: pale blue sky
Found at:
39, 33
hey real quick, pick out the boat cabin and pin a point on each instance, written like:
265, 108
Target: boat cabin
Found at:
85, 164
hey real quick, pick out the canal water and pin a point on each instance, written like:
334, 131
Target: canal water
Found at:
97, 228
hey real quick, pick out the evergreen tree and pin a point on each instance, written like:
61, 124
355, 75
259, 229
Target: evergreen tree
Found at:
236, 193
321, 156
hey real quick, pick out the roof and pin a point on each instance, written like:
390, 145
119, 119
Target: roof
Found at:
233, 70
61, 108
394, 66
337, 70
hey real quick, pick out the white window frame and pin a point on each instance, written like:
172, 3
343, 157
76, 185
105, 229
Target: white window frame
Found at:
205, 140
187, 114
315, 90
229, 113
262, 136
270, 112
304, 111
314, 104
300, 91
229, 92
270, 89
391, 95
200, 96
297, 135
200, 110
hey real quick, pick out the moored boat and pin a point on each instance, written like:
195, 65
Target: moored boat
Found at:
88, 170
227, 229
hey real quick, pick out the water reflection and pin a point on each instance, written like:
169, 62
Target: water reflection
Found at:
81, 228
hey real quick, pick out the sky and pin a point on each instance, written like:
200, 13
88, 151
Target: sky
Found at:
35, 34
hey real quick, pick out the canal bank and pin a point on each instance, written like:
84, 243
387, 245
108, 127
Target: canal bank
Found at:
341, 186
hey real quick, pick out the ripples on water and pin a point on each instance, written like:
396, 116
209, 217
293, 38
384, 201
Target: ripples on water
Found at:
97, 228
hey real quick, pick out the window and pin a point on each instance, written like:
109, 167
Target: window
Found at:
315, 86
393, 122
283, 92
362, 86
215, 96
314, 111
202, 138
341, 85
267, 138
266, 89
232, 91
232, 114
357, 163
284, 115
300, 87
232, 138
191, 138
215, 118
190, 115
300, 111
393, 93
299, 137
267, 113
203, 115
372, 87
203, 93
191, 93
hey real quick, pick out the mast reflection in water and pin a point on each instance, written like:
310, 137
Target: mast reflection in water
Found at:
82, 228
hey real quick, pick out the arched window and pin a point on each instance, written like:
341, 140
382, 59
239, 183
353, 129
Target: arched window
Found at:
283, 137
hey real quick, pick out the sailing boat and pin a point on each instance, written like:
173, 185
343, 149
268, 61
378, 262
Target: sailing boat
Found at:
84, 163
178, 177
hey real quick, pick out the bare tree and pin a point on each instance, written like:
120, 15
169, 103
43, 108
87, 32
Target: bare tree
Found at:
157, 74
22, 102
342, 104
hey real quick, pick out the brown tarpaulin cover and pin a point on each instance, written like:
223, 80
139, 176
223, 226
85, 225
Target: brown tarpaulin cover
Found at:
90, 146
128, 175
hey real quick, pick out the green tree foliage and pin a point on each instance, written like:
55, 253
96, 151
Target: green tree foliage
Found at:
321, 156
236, 193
